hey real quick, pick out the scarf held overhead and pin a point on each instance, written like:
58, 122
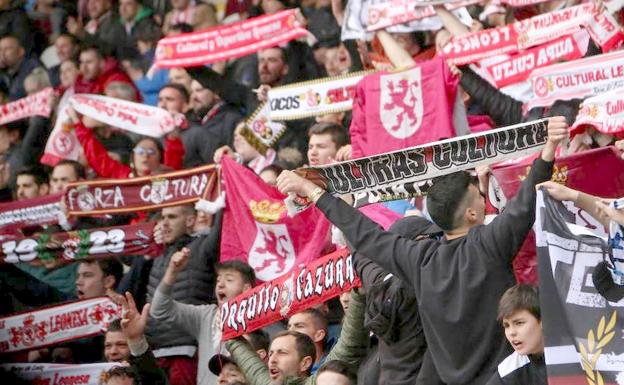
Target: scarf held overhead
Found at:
112, 196
378, 173
229, 41
61, 374
304, 287
34, 105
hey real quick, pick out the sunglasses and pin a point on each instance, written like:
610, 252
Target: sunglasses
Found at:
144, 151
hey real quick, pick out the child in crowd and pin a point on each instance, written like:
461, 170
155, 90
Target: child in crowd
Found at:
519, 311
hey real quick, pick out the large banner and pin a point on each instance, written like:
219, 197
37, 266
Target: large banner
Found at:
577, 171
508, 39
30, 212
315, 97
56, 324
257, 229
583, 332
604, 112
577, 79
59, 374
34, 105
305, 286
86, 243
417, 164
228, 41
111, 196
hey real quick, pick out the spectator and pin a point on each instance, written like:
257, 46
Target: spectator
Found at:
104, 28
68, 73
325, 139
115, 343
32, 182
490, 249
200, 321
38, 80
225, 369
519, 312
335, 373
14, 21
15, 66
292, 354
65, 172
49, 18
143, 366
174, 98
97, 72
213, 127
134, 17
95, 277
313, 323
195, 13
174, 346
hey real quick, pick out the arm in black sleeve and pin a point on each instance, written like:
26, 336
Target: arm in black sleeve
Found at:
228, 90
356, 62
148, 370
368, 271
505, 235
34, 139
504, 109
398, 255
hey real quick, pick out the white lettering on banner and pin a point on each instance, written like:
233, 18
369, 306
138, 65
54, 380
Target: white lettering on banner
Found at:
30, 214
275, 296
169, 189
24, 251
480, 40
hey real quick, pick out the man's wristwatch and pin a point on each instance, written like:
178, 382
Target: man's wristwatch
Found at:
315, 194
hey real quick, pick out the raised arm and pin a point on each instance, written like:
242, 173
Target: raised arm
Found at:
507, 232
164, 307
253, 368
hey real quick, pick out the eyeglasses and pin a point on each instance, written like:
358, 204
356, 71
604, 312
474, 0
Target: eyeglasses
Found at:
142, 151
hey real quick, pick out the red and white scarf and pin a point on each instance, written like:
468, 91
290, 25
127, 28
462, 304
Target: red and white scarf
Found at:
228, 41
134, 117
34, 105
602, 28
60, 374
56, 324
577, 79
604, 112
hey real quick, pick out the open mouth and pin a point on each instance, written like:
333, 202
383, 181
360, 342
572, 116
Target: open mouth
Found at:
221, 297
80, 293
274, 373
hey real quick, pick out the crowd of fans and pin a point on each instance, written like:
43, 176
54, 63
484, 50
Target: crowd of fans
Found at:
436, 301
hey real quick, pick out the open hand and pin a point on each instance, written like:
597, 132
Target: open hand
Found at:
289, 182
132, 322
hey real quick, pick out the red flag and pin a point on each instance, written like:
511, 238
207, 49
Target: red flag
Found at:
258, 230
598, 172
396, 110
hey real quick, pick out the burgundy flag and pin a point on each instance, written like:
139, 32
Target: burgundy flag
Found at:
257, 229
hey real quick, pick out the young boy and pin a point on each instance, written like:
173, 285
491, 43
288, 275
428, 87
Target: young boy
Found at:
519, 311
200, 321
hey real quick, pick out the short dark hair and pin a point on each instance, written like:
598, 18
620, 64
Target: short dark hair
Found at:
180, 88
338, 133
78, 168
123, 371
259, 339
446, 196
109, 266
14, 37
246, 271
182, 27
114, 326
519, 297
339, 367
93, 47
36, 171
319, 317
304, 344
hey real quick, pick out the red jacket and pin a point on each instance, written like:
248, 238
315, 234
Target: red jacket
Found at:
107, 167
111, 73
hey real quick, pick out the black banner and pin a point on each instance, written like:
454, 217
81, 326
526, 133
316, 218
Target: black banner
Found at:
582, 330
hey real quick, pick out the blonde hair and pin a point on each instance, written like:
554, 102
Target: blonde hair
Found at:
39, 77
